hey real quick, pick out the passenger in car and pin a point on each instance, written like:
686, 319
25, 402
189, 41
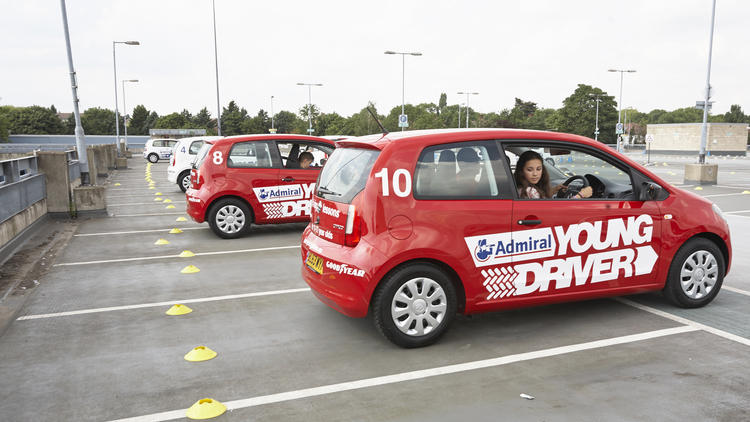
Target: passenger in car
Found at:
532, 178
305, 159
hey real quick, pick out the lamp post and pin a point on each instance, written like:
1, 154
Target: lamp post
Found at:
467, 104
704, 127
216, 64
459, 114
596, 130
403, 76
125, 109
619, 105
117, 116
273, 129
309, 104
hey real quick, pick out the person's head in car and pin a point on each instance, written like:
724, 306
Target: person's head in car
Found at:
531, 177
305, 159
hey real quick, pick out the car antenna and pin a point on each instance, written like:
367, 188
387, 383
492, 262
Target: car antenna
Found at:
374, 116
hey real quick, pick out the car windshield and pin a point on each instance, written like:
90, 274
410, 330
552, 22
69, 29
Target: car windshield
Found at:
345, 174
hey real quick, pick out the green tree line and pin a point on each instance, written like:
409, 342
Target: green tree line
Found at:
577, 115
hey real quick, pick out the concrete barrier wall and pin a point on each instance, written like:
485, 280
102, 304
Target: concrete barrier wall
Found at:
12, 227
722, 138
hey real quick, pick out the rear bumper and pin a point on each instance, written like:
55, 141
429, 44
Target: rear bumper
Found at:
172, 174
196, 207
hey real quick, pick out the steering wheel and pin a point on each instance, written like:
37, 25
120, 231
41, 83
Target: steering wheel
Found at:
571, 192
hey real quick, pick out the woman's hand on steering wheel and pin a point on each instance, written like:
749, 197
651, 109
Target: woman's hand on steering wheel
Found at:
584, 192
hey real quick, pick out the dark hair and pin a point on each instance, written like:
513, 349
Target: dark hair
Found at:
542, 186
306, 156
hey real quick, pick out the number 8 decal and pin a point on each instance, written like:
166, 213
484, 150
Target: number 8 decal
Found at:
217, 157
396, 182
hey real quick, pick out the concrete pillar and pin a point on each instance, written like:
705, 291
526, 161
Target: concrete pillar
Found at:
93, 170
90, 199
701, 174
122, 163
54, 165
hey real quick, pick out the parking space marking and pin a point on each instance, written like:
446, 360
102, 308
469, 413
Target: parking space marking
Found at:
167, 303
723, 194
143, 203
147, 215
712, 330
736, 212
139, 231
420, 374
148, 258
736, 290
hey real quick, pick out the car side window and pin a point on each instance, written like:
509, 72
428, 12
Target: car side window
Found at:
158, 143
250, 155
195, 146
457, 171
303, 155
171, 144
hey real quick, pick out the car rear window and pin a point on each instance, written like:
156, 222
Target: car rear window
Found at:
345, 174
202, 153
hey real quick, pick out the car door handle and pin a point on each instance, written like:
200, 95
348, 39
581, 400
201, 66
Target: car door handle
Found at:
529, 222
288, 179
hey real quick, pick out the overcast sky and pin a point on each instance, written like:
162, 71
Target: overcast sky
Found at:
535, 50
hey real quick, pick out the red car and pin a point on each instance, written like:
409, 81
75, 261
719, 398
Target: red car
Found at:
261, 179
413, 227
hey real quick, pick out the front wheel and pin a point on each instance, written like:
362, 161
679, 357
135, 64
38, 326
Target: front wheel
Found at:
183, 180
229, 218
695, 275
415, 305
153, 158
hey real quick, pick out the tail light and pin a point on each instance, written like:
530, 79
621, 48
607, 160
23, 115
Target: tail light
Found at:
195, 179
353, 229
172, 160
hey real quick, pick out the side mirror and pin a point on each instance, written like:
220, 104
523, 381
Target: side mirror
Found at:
649, 191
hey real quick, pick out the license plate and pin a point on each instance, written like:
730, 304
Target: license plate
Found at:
314, 262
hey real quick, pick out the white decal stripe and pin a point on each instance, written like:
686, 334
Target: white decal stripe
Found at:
419, 374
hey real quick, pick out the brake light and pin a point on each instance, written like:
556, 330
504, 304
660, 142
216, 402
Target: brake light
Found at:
353, 229
172, 160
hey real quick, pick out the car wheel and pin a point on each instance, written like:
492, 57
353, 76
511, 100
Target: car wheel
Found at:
229, 218
415, 305
153, 158
184, 180
695, 275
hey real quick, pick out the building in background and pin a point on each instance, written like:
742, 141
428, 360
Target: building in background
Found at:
681, 138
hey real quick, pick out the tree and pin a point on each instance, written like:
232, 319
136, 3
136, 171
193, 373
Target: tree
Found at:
443, 102
735, 115
521, 112
137, 123
99, 121
578, 114
203, 119
4, 128
150, 122
172, 121
330, 124
285, 121
258, 124
34, 120
232, 118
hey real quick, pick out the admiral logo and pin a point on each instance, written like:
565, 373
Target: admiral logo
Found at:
501, 248
279, 193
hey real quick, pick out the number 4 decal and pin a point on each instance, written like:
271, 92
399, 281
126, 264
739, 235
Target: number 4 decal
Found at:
396, 182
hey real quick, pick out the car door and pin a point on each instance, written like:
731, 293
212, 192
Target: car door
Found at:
253, 174
578, 248
298, 180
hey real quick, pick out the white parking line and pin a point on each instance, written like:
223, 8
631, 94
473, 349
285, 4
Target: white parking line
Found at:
723, 194
155, 304
420, 374
161, 203
733, 187
138, 231
735, 212
736, 290
147, 215
685, 321
148, 258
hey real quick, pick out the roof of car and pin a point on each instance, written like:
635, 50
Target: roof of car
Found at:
200, 138
267, 136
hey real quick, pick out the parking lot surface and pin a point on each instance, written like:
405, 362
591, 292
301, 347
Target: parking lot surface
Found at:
92, 340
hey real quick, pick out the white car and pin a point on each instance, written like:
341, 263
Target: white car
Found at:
183, 155
158, 149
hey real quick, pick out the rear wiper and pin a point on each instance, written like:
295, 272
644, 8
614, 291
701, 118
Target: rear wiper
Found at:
325, 191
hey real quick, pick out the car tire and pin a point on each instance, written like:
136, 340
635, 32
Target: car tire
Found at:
153, 158
229, 218
414, 305
696, 274
183, 180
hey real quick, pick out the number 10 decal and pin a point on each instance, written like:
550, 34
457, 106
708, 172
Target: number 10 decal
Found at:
396, 182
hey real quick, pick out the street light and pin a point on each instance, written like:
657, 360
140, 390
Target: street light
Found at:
125, 109
596, 131
459, 114
403, 77
273, 130
706, 104
216, 64
467, 104
117, 116
309, 104
619, 105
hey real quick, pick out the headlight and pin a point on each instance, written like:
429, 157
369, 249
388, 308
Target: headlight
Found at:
718, 212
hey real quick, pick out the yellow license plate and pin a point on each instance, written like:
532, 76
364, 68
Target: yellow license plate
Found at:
314, 262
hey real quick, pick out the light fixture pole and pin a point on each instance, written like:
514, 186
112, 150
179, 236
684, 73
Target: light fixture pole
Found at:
459, 115
309, 104
598, 100
467, 104
403, 75
83, 159
704, 127
619, 105
125, 110
117, 114
273, 130
216, 64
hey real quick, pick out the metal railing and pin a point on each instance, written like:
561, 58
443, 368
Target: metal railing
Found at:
21, 185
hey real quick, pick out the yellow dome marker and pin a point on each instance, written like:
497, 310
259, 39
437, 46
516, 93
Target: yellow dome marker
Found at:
151, 187
166, 201
170, 206
199, 354
206, 409
596, 172
178, 309
186, 254
175, 231
158, 199
190, 269
665, 164
162, 242
158, 194
181, 219
118, 184
746, 192
698, 188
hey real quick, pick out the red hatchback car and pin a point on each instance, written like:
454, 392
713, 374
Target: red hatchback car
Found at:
261, 179
413, 227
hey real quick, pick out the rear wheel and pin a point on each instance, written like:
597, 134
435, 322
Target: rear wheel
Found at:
229, 218
415, 305
153, 158
183, 180
696, 274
